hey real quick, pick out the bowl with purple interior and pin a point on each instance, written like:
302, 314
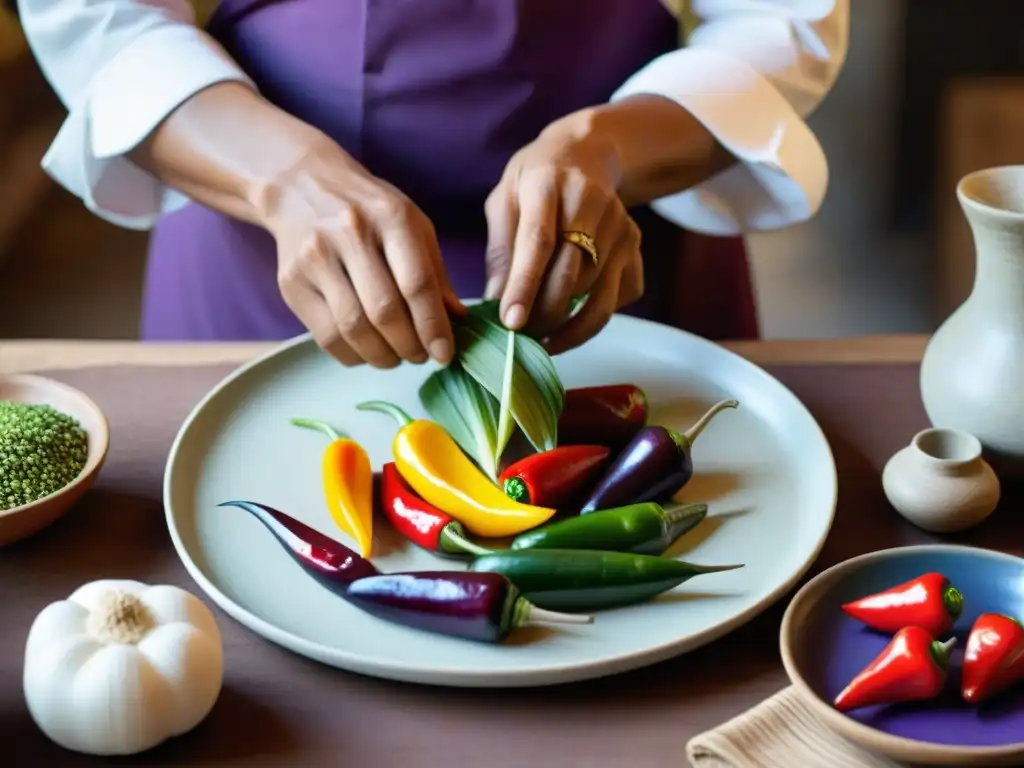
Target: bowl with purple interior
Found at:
826, 646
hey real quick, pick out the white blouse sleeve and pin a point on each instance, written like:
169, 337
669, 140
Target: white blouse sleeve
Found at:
750, 72
120, 67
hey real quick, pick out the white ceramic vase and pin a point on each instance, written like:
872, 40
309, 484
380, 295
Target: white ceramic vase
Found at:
940, 482
972, 375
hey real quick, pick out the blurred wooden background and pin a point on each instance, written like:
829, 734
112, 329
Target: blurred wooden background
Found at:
63, 271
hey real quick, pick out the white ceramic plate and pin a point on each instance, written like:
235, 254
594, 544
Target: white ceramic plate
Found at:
765, 470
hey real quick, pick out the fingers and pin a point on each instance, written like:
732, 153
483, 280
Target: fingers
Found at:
551, 308
606, 235
356, 241
502, 220
536, 237
584, 206
594, 315
409, 245
631, 288
321, 268
620, 282
312, 310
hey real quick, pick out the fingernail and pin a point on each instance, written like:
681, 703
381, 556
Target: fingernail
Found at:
515, 317
441, 350
492, 289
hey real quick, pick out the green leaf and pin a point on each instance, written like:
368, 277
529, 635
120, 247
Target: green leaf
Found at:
467, 411
538, 361
505, 422
538, 395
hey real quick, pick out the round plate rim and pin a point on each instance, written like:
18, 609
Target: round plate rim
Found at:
537, 676
900, 747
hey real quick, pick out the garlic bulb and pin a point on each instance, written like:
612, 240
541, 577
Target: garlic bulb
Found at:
120, 666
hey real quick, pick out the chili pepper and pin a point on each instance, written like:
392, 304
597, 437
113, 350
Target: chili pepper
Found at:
589, 579
929, 602
348, 484
994, 658
609, 415
328, 561
557, 477
435, 466
653, 467
912, 667
475, 606
420, 522
644, 529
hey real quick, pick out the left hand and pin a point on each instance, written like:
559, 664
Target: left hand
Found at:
565, 180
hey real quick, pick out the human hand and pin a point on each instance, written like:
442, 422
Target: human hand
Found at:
566, 180
359, 263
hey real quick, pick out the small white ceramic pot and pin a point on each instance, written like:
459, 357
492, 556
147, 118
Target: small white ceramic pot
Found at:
940, 482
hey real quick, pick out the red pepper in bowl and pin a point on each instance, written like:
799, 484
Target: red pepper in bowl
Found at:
929, 602
609, 415
994, 658
421, 522
912, 667
557, 477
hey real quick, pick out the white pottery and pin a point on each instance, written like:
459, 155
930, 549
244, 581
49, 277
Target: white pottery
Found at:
940, 482
764, 469
972, 375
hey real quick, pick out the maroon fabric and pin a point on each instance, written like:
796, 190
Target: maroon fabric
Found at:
697, 282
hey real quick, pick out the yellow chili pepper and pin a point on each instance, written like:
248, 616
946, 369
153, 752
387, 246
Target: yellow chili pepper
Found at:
348, 484
437, 469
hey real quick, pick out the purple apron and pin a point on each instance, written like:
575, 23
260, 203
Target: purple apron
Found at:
435, 96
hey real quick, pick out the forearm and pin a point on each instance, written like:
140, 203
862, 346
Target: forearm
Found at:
659, 147
227, 147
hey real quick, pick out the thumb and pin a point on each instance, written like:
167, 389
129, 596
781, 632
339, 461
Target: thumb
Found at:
502, 221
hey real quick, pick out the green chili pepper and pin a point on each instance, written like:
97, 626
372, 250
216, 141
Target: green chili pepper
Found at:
643, 529
589, 579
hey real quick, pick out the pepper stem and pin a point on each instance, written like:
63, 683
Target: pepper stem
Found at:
953, 600
516, 490
714, 568
525, 613
391, 409
319, 426
453, 540
694, 432
685, 515
941, 652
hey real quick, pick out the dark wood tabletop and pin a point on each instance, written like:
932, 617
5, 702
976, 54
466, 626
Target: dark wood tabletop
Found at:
281, 709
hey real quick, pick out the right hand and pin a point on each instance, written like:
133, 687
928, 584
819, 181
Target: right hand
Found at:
358, 262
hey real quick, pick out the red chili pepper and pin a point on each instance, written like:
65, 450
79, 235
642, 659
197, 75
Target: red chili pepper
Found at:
912, 667
608, 415
557, 477
421, 522
929, 602
994, 659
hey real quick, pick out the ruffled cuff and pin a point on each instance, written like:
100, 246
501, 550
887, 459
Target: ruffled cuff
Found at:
125, 102
782, 172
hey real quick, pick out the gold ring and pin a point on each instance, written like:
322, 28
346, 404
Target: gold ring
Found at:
583, 241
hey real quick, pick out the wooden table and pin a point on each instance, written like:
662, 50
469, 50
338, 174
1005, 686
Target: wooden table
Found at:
281, 709
48, 354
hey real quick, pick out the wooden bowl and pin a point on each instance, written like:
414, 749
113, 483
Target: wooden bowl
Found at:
823, 649
19, 522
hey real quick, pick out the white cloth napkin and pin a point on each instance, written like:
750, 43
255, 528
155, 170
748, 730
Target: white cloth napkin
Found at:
780, 732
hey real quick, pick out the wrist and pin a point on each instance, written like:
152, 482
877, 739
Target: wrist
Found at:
294, 175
